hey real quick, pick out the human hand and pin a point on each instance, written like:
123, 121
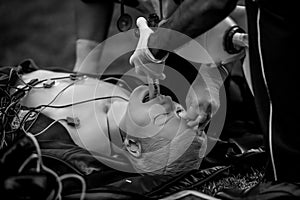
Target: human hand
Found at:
142, 59
166, 8
201, 103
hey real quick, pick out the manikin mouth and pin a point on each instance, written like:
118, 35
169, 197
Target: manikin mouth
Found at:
146, 97
179, 111
155, 94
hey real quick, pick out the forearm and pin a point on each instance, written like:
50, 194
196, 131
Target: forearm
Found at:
202, 100
210, 78
192, 18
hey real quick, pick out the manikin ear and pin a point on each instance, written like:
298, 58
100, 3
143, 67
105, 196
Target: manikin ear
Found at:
133, 147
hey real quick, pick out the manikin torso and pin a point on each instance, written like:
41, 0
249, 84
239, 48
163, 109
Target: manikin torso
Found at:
92, 133
156, 120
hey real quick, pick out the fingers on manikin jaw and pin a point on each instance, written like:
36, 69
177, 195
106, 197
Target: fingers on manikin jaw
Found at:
167, 103
199, 116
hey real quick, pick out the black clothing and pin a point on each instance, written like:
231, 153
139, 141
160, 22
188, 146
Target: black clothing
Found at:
274, 82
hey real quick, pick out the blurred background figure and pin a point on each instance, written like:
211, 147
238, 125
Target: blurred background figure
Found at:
92, 20
41, 30
46, 31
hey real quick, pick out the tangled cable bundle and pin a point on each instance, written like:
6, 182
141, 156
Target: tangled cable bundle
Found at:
10, 104
12, 130
12, 94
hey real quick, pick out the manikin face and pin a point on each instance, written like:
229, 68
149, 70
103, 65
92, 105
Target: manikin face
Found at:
156, 135
147, 118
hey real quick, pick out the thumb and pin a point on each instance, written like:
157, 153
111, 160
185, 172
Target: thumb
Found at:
132, 59
190, 113
183, 114
142, 25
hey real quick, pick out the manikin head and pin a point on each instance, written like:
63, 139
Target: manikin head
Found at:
157, 138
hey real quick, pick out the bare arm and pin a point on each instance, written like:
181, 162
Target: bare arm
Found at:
192, 18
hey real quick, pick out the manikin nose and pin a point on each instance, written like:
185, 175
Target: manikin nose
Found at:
167, 102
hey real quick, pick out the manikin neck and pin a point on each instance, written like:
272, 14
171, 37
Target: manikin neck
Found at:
116, 113
114, 116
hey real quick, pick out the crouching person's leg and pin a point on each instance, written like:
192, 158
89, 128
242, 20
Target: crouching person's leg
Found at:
92, 24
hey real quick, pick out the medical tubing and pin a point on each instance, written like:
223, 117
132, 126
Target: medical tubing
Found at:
43, 80
40, 164
32, 156
59, 184
4, 120
80, 102
10, 102
52, 101
156, 88
151, 87
83, 184
49, 126
26, 116
18, 118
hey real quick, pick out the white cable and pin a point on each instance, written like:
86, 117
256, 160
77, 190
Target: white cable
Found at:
59, 190
49, 126
58, 94
27, 161
265, 81
40, 164
38, 150
83, 184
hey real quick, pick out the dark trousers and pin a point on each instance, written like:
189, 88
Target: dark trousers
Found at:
274, 61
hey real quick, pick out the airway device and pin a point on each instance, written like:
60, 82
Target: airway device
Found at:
154, 89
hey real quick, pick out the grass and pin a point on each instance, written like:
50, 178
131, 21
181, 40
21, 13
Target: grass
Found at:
38, 29
235, 179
